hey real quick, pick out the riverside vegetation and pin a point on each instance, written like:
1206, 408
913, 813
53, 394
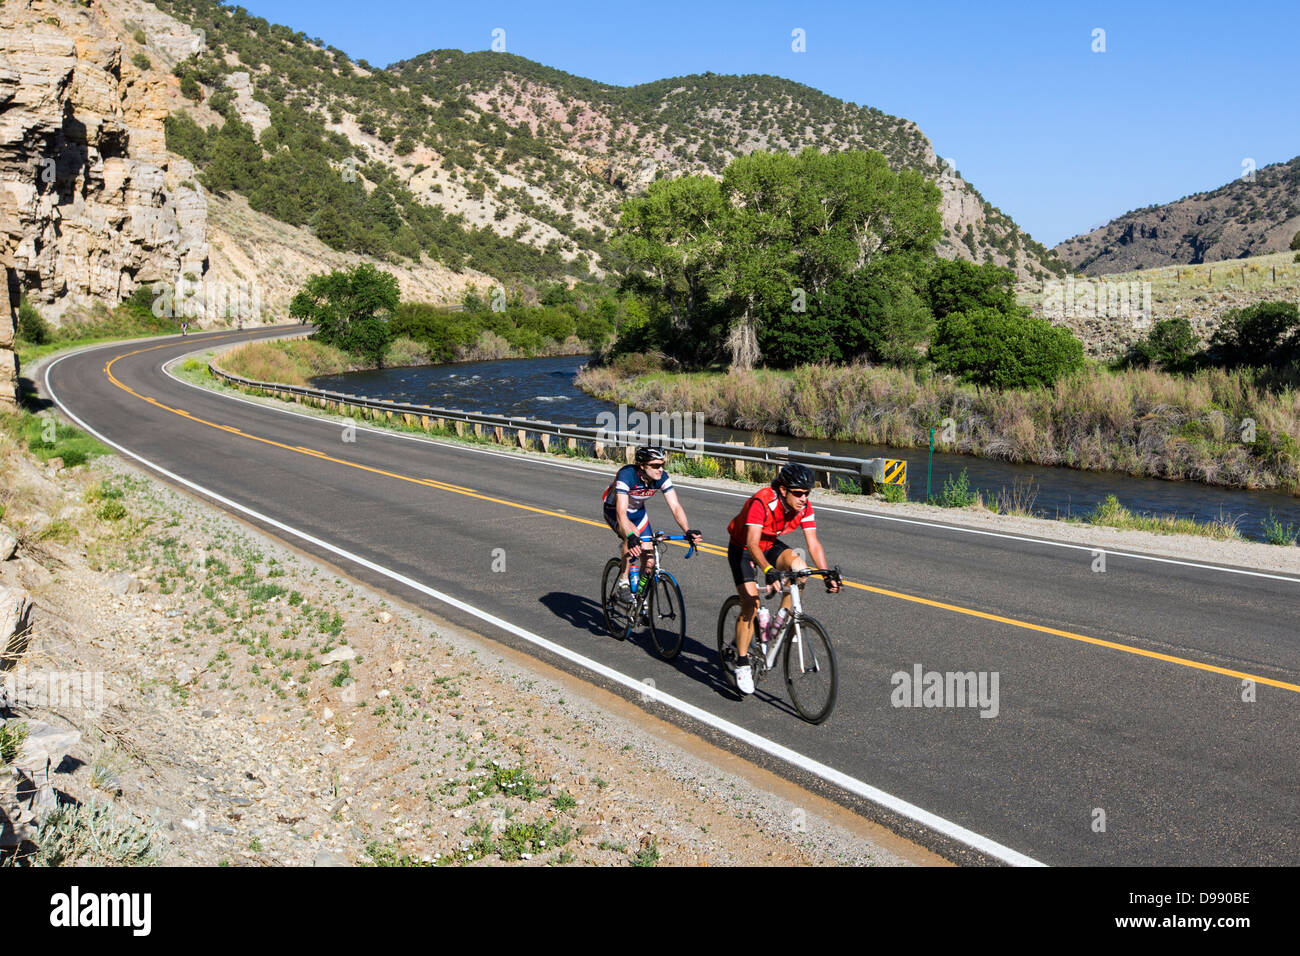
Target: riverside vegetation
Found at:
837, 320
362, 324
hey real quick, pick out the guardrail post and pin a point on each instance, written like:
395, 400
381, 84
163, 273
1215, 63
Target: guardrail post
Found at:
826, 475
738, 465
598, 449
546, 441
523, 438
460, 429
571, 444
629, 454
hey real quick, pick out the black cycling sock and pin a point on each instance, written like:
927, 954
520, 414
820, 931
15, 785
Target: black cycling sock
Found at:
742, 661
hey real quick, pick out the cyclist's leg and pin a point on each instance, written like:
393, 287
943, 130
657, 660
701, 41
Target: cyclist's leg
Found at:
743, 574
784, 558
640, 520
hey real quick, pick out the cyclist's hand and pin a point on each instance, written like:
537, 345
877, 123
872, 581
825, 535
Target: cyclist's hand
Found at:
833, 583
694, 535
772, 577
634, 545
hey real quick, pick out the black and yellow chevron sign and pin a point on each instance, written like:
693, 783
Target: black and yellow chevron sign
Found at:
895, 471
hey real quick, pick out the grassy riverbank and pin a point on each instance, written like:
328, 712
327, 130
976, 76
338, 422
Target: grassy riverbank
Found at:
1215, 426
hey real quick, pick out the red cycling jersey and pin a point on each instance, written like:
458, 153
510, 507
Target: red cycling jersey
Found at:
765, 509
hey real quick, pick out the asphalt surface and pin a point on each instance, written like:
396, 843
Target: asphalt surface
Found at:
1099, 753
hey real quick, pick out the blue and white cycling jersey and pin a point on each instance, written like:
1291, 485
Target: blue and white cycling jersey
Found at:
632, 483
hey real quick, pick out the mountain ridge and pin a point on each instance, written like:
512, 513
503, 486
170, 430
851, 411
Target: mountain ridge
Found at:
1242, 218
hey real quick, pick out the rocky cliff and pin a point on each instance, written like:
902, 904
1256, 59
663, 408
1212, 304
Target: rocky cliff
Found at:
92, 204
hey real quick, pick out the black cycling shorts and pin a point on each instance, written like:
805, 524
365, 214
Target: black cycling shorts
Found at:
742, 565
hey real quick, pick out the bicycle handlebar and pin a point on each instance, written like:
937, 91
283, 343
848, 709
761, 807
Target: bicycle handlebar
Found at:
660, 536
830, 574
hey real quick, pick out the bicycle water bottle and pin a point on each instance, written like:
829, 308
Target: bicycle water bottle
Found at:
779, 623
764, 622
633, 576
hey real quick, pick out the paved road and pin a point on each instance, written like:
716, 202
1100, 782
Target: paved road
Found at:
1121, 734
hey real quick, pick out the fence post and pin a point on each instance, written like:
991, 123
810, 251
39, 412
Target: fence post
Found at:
738, 464
826, 474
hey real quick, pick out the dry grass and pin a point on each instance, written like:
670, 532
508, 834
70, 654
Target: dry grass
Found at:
1140, 421
297, 361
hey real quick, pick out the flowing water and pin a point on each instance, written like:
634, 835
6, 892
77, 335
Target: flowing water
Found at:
543, 389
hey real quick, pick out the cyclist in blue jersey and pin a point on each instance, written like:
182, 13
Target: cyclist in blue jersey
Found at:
625, 500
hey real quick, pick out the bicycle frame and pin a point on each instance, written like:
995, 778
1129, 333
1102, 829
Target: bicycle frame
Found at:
791, 624
793, 587
648, 580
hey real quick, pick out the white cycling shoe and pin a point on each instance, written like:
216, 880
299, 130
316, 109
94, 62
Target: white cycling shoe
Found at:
745, 679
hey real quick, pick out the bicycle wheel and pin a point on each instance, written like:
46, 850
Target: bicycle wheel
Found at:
727, 618
667, 616
810, 671
616, 616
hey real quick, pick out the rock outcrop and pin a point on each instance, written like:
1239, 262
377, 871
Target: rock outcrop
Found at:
92, 205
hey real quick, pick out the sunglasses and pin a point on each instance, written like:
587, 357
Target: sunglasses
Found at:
653, 464
799, 493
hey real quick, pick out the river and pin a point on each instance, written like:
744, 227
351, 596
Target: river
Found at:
543, 388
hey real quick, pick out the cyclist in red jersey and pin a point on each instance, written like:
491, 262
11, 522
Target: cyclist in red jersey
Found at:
755, 545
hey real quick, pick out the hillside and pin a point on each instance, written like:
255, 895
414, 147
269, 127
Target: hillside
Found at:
1243, 218
1202, 294
491, 161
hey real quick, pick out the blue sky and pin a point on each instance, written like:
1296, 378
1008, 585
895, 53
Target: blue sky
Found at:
1060, 137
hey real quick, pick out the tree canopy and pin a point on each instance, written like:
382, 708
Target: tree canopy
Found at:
728, 258
350, 309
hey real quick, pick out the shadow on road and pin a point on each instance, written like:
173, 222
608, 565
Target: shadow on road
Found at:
697, 661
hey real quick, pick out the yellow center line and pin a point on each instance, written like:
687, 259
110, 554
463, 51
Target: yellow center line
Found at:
708, 549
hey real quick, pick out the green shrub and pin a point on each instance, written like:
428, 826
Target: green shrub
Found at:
1170, 346
32, 327
12, 735
957, 492
894, 493
1295, 242
141, 61
959, 286
93, 835
1004, 351
111, 511
1266, 334
139, 37
1275, 532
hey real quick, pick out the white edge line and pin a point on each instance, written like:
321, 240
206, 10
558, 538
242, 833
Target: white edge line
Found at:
736, 494
857, 787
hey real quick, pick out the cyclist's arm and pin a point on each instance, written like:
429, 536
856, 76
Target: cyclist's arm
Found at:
620, 508
754, 545
675, 506
815, 550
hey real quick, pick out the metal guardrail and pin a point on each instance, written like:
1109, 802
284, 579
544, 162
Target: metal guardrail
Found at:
868, 471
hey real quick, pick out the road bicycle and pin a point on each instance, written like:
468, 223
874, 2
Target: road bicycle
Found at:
657, 602
809, 659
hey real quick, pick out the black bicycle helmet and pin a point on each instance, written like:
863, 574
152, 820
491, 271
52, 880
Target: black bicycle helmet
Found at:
649, 453
795, 475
